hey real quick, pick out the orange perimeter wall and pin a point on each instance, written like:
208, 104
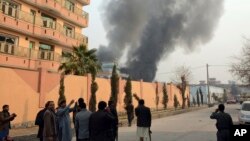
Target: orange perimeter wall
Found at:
26, 91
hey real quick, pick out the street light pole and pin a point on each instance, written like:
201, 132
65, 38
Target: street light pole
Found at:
208, 90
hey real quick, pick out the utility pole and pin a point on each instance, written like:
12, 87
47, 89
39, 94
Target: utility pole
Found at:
208, 90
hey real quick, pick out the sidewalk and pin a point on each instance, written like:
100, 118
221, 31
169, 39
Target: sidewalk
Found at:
29, 134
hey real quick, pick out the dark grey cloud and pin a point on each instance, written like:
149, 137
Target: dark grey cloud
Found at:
151, 29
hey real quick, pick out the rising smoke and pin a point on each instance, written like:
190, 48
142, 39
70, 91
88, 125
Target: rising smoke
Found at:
151, 29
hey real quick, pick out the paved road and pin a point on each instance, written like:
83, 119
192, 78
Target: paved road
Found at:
192, 126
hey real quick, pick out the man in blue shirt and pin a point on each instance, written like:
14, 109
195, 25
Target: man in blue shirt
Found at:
82, 123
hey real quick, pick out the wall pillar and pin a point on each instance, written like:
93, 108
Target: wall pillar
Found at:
42, 86
141, 88
88, 88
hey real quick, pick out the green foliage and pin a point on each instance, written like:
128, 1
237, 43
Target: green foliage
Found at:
201, 95
92, 102
194, 101
176, 102
114, 85
165, 96
61, 90
128, 92
137, 98
198, 98
80, 62
182, 87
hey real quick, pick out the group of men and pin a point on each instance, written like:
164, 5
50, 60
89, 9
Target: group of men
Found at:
102, 125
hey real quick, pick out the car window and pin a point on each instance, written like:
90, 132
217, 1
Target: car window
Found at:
246, 107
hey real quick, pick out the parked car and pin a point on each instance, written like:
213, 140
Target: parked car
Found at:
231, 101
244, 114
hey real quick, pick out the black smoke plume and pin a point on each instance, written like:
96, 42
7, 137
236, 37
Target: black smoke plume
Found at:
151, 29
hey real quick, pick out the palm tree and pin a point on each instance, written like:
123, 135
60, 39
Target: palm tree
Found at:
82, 61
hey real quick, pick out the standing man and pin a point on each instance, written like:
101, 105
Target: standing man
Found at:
39, 121
6, 117
114, 126
143, 121
224, 123
130, 112
75, 111
82, 123
64, 124
50, 123
99, 124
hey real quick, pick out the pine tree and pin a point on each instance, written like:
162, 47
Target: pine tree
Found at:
194, 102
114, 85
157, 99
165, 97
128, 92
92, 101
188, 101
201, 94
198, 98
61, 90
176, 102
225, 96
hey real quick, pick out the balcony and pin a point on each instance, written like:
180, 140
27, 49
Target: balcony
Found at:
58, 8
84, 2
24, 23
16, 56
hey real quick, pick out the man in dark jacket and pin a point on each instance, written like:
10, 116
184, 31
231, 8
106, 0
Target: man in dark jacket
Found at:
224, 123
99, 124
5, 119
114, 126
39, 121
143, 121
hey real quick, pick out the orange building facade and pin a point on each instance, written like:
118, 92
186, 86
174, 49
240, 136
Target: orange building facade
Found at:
34, 33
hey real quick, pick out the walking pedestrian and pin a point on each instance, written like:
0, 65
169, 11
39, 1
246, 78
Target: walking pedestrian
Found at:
5, 119
143, 122
130, 112
64, 124
223, 124
114, 125
100, 122
82, 123
50, 124
40, 122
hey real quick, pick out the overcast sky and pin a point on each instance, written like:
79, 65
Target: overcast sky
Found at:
226, 43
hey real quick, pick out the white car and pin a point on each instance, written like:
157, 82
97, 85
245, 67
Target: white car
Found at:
244, 114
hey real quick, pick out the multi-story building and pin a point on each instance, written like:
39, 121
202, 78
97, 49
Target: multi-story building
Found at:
34, 33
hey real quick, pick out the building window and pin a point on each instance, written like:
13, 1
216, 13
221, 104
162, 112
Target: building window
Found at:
68, 31
7, 44
70, 5
46, 52
32, 45
48, 22
9, 8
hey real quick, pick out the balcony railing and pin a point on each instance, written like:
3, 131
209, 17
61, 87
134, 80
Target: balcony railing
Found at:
11, 49
57, 5
53, 28
84, 2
